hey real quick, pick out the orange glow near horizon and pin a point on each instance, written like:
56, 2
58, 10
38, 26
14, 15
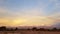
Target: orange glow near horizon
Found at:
32, 21
29, 12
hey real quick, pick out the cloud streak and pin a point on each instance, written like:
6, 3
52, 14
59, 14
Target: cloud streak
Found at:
45, 12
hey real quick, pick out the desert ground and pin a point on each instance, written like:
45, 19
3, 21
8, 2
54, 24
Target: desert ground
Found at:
29, 32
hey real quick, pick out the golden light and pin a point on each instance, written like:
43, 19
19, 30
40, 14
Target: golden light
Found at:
31, 21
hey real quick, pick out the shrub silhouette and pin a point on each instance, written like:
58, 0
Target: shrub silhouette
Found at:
42, 29
16, 28
3, 28
28, 29
34, 28
54, 29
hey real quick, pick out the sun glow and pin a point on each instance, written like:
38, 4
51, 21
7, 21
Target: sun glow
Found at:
33, 21
30, 21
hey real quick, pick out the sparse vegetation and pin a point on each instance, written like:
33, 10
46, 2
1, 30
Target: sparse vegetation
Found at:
3, 28
34, 30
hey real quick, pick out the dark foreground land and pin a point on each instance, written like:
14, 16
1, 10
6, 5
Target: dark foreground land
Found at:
29, 32
34, 30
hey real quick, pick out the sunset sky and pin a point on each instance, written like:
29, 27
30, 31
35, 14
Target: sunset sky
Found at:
29, 12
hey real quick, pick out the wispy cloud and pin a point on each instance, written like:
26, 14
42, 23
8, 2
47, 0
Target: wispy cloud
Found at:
45, 12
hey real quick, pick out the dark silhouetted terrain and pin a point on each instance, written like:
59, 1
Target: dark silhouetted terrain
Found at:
34, 30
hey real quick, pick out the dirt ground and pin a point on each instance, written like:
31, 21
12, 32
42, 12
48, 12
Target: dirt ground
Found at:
29, 32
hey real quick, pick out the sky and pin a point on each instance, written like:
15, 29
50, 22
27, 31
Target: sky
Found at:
30, 13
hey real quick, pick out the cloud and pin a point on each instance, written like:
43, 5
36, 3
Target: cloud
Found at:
30, 16
6, 13
34, 21
32, 12
56, 24
55, 13
50, 7
3, 12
